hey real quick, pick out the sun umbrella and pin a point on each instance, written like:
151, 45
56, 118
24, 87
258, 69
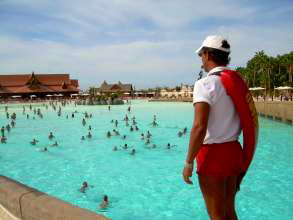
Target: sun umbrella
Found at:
284, 88
256, 88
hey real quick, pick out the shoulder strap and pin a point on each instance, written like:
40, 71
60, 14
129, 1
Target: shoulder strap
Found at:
218, 73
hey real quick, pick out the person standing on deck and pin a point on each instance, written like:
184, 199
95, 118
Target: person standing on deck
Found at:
214, 135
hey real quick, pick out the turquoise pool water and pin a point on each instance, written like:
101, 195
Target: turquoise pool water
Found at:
148, 185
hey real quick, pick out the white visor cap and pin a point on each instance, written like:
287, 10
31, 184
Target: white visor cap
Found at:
215, 42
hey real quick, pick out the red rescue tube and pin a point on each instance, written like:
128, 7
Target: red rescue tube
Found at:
237, 89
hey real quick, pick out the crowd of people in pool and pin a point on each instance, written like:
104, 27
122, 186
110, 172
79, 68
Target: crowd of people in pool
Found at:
130, 123
36, 113
133, 126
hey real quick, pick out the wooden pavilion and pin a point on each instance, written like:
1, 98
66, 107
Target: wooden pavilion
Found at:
123, 89
37, 85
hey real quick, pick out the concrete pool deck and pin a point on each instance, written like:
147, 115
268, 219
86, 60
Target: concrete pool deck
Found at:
275, 110
18, 201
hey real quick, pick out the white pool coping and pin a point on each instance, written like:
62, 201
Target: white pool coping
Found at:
6, 215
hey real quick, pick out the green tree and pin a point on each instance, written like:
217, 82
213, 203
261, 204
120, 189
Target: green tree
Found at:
93, 91
114, 96
178, 88
269, 72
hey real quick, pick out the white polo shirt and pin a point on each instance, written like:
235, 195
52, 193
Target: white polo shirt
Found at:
223, 122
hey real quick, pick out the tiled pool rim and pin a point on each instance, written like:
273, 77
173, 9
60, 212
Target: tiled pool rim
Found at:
18, 201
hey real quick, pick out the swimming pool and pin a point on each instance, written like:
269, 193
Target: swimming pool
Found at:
148, 185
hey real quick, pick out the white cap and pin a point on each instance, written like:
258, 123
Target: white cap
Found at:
215, 42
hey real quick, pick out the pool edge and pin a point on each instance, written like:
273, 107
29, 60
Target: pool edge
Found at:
18, 201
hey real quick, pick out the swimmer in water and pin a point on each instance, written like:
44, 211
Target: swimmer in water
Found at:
115, 148
125, 146
108, 134
84, 187
132, 152
51, 136
185, 130
54, 145
149, 134
105, 202
45, 149
2, 131
8, 127
34, 142
154, 124
116, 132
126, 118
142, 136
123, 137
180, 134
147, 141
82, 138
83, 122
3, 140
89, 135
168, 146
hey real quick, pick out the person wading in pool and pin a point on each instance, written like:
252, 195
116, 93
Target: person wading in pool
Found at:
2, 131
214, 135
104, 204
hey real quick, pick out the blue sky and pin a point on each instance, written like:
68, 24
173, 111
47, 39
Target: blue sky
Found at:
145, 42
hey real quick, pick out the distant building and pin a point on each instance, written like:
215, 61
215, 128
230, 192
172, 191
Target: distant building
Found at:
168, 92
123, 89
38, 85
144, 93
185, 91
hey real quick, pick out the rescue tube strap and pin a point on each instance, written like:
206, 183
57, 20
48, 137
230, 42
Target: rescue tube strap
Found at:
237, 89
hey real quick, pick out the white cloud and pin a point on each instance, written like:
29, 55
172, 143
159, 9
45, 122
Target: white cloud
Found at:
135, 62
106, 40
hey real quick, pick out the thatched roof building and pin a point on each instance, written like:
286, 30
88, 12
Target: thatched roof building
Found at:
126, 89
37, 84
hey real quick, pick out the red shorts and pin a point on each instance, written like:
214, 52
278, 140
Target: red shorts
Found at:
223, 159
